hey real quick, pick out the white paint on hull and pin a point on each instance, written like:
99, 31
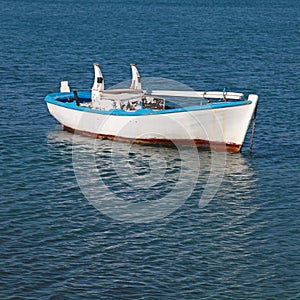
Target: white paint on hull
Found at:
222, 125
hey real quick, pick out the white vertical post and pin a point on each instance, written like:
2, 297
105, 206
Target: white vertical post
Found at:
98, 85
136, 78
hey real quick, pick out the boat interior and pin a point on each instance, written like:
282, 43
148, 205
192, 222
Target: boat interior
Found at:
135, 98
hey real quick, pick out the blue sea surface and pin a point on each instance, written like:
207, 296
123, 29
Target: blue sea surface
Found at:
244, 243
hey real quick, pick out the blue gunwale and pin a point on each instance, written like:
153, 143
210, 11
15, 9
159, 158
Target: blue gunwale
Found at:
58, 98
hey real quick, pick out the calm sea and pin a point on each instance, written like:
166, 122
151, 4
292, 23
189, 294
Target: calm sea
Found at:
55, 243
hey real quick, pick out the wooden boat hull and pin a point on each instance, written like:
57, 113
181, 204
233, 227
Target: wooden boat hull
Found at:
216, 126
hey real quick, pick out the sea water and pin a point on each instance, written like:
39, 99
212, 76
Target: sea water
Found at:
77, 220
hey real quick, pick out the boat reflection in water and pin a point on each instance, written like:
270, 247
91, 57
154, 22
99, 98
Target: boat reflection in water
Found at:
135, 183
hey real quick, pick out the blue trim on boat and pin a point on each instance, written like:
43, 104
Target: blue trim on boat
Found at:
58, 98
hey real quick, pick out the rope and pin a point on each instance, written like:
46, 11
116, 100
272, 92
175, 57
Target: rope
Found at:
253, 128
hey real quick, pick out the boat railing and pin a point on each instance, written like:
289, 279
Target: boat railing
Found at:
187, 94
121, 91
197, 94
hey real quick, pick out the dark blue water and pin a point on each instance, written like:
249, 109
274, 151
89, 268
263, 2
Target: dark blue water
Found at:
54, 244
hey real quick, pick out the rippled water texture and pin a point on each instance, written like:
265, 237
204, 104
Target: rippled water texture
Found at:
241, 244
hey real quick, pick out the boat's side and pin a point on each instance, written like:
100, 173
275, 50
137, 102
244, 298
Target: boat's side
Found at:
222, 126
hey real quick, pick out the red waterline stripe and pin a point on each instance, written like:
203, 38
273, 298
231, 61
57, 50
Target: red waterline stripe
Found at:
204, 144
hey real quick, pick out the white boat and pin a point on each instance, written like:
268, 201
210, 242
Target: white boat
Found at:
219, 121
